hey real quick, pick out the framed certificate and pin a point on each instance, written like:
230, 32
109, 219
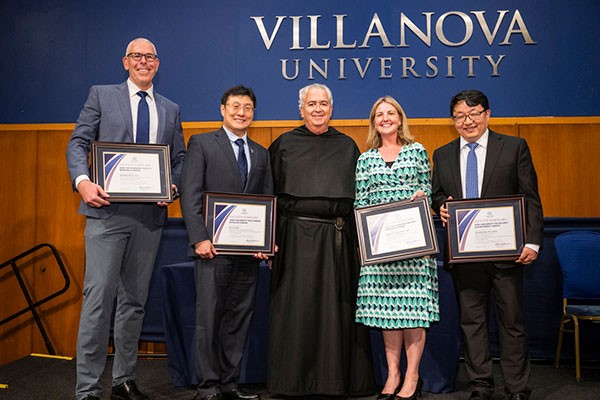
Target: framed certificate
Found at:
240, 224
395, 231
131, 172
481, 230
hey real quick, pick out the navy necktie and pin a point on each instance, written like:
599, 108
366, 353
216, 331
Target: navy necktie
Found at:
471, 181
242, 162
143, 120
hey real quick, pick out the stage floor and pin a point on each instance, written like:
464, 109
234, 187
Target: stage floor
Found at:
37, 377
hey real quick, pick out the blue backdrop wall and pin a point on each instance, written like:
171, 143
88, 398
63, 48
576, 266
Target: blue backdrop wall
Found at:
534, 58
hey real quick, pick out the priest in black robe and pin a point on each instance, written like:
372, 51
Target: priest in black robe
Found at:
315, 347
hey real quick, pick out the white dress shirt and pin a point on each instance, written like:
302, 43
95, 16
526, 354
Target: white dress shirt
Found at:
236, 149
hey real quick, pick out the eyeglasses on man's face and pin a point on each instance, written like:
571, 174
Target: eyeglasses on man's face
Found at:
138, 56
473, 116
247, 108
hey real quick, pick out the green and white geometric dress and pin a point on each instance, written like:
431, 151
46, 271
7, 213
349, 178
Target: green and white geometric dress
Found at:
400, 294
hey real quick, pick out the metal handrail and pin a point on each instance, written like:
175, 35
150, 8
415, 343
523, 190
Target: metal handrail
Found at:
32, 307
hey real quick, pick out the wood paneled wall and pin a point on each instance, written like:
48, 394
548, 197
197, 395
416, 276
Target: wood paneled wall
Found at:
38, 205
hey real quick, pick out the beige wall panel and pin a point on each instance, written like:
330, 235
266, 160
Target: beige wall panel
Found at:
58, 223
566, 158
512, 130
175, 208
433, 137
18, 172
276, 131
40, 206
261, 136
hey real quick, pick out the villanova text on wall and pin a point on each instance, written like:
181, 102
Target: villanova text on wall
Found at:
402, 54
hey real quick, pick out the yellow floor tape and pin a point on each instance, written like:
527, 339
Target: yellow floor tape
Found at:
51, 356
5, 386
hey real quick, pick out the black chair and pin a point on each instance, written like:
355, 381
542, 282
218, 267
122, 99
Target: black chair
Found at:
579, 257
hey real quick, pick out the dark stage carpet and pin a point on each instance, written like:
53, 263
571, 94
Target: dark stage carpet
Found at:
36, 377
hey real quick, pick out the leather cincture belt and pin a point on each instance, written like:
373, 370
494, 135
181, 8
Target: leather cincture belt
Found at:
338, 222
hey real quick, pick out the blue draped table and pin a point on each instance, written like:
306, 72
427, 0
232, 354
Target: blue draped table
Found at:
439, 365
170, 313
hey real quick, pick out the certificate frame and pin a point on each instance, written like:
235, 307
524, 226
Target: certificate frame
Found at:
115, 165
413, 218
485, 229
241, 224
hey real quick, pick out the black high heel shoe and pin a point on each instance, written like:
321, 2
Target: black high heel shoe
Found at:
416, 393
391, 396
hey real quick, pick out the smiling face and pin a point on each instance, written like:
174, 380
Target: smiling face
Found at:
141, 72
238, 113
471, 122
387, 120
316, 110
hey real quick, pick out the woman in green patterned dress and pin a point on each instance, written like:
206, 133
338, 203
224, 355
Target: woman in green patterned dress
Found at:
400, 297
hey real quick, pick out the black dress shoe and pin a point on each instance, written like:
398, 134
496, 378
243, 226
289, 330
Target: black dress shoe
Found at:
416, 393
519, 396
212, 396
478, 395
390, 396
127, 391
238, 393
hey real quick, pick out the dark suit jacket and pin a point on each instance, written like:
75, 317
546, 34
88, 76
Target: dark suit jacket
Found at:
210, 166
106, 117
508, 171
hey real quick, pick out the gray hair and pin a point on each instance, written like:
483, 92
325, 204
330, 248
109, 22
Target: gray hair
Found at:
140, 39
305, 89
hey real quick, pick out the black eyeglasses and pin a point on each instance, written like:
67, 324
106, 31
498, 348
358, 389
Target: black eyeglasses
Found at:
138, 56
473, 116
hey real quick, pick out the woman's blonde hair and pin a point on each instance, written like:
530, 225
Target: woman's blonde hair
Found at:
404, 136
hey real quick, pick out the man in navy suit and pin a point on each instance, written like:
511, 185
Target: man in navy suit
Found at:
121, 240
504, 167
225, 285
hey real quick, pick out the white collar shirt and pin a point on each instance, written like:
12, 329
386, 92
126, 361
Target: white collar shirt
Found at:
232, 138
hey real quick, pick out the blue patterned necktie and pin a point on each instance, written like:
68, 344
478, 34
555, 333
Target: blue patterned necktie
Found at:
471, 182
143, 120
242, 162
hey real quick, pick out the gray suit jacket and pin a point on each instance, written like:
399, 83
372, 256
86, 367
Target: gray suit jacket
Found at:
508, 171
210, 166
106, 117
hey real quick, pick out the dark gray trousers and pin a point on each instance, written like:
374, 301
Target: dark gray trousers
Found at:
225, 293
474, 284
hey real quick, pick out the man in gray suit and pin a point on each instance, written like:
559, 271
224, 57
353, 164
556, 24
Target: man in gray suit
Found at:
223, 161
121, 240
503, 167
